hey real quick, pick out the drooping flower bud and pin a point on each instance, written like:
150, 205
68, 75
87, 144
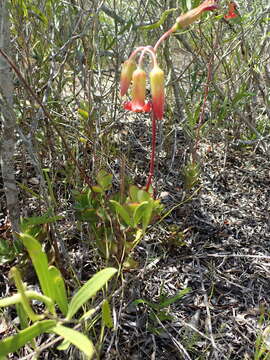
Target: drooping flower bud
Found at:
126, 75
157, 91
233, 12
193, 14
138, 89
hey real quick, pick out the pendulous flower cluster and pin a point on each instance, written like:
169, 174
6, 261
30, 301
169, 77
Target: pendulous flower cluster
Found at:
135, 74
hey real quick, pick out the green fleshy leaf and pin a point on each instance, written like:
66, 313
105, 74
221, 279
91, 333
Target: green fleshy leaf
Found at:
104, 179
22, 316
59, 293
15, 342
133, 193
40, 263
147, 213
24, 299
31, 295
10, 300
106, 314
89, 289
122, 212
76, 338
139, 212
64, 345
143, 195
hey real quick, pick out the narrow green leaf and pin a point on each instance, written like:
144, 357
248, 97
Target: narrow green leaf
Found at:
15, 342
31, 295
76, 338
39, 220
122, 212
88, 315
106, 314
24, 299
173, 299
162, 19
22, 316
64, 345
40, 262
59, 293
142, 301
89, 289
10, 300
30, 191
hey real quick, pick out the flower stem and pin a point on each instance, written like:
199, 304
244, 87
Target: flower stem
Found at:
164, 37
144, 49
153, 152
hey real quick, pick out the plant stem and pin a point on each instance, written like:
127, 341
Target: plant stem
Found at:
47, 114
164, 37
153, 152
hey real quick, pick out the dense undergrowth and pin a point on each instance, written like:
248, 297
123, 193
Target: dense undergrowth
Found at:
81, 166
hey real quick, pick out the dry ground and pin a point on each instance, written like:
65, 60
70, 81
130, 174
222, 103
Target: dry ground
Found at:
216, 244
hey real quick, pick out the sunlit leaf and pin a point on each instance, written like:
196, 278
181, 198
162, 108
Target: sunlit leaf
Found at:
15, 342
40, 262
106, 314
76, 338
83, 113
89, 289
122, 212
147, 213
59, 293
104, 179
139, 212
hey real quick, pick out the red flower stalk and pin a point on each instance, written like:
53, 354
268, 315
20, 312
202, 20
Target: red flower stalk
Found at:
193, 14
157, 91
128, 68
153, 153
232, 11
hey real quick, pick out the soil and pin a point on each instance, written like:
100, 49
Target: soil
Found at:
214, 243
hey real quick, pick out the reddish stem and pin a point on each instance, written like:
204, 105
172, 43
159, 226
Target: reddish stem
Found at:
153, 152
164, 37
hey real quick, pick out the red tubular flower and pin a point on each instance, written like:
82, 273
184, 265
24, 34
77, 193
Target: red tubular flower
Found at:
126, 75
232, 11
130, 105
193, 14
157, 91
138, 93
